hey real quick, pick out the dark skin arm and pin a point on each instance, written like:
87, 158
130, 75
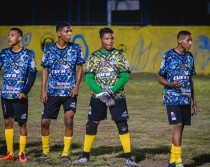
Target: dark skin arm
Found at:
194, 106
173, 84
176, 84
75, 90
44, 97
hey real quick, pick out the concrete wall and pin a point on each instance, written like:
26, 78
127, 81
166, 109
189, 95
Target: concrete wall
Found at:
143, 46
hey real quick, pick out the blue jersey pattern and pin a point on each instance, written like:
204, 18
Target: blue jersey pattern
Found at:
180, 68
62, 67
16, 71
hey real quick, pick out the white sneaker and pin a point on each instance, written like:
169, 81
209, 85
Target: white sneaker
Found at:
81, 160
130, 162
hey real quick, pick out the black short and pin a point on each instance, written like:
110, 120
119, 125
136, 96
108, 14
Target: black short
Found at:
15, 108
98, 110
52, 107
179, 114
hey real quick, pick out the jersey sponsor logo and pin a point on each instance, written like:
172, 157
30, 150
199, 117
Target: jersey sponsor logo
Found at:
61, 85
182, 77
10, 75
106, 74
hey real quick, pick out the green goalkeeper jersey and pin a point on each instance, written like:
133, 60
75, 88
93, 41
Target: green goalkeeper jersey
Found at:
107, 66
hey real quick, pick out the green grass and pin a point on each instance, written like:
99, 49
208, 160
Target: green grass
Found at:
148, 126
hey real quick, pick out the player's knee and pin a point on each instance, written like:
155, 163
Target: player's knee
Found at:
45, 124
91, 128
69, 122
22, 124
8, 123
122, 126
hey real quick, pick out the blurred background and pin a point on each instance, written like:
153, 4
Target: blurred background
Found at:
143, 29
106, 12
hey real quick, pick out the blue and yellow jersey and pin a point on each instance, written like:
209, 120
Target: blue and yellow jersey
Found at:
177, 67
62, 67
16, 71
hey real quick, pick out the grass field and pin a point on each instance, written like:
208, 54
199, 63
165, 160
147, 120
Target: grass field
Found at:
148, 126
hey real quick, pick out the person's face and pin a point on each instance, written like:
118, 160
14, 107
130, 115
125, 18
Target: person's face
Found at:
13, 38
107, 41
65, 34
186, 42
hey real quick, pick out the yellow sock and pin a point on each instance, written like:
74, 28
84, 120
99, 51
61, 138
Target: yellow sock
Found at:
125, 141
178, 152
46, 144
9, 133
89, 139
22, 144
173, 155
67, 144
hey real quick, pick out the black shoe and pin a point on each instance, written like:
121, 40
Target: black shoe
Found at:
66, 159
41, 158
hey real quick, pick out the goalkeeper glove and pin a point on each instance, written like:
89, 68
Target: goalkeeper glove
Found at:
107, 98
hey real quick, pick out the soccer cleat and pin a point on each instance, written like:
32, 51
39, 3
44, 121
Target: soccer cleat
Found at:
81, 160
7, 157
66, 159
41, 158
179, 165
172, 164
22, 158
130, 162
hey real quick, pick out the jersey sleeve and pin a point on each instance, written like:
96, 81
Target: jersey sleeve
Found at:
91, 65
2, 55
122, 64
45, 58
32, 62
80, 60
192, 71
163, 67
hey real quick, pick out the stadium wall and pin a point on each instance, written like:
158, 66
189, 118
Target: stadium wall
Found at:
143, 46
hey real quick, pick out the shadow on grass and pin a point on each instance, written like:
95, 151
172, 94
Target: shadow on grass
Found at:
138, 154
199, 160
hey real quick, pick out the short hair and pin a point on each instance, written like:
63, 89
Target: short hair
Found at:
183, 33
104, 31
60, 26
19, 31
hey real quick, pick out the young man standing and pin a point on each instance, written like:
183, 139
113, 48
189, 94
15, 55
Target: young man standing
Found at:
19, 76
59, 63
176, 71
106, 74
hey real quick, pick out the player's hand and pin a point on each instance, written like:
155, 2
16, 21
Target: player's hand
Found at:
194, 109
176, 84
110, 103
43, 97
22, 96
107, 98
74, 91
